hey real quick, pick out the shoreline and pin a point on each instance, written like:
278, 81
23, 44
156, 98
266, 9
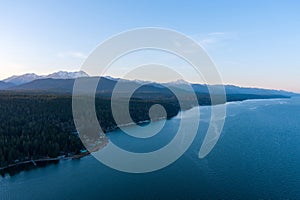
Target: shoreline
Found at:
43, 160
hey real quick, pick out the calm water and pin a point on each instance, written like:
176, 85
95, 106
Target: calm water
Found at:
257, 156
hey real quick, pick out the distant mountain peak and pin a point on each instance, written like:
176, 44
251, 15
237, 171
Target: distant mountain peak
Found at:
179, 82
67, 75
28, 77
22, 78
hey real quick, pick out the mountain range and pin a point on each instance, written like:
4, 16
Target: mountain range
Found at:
63, 81
25, 78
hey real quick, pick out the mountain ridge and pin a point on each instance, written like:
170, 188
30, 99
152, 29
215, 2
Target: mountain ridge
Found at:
28, 77
62, 81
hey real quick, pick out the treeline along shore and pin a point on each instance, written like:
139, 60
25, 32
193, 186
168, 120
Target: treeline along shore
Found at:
39, 126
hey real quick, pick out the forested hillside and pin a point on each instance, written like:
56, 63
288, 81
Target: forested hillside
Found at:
36, 125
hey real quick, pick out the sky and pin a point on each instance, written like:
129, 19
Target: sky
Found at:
252, 43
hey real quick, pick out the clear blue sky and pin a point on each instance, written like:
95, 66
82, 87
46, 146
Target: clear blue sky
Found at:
253, 43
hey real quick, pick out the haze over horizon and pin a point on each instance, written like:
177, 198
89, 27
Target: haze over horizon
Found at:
253, 44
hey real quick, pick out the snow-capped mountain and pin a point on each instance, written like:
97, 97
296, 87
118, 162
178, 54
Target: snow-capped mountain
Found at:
26, 78
67, 75
179, 82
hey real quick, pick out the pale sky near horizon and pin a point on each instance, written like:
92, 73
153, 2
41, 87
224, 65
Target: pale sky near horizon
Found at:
253, 43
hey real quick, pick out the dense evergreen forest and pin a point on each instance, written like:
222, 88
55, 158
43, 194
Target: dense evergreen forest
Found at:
36, 126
